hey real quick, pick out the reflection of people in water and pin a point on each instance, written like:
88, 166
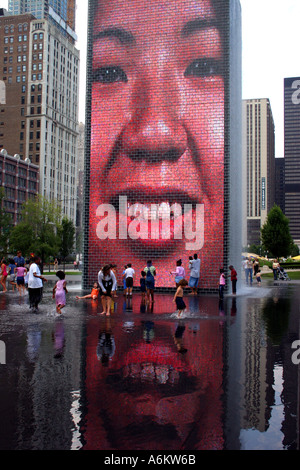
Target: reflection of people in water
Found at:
106, 344
157, 132
178, 338
153, 395
59, 338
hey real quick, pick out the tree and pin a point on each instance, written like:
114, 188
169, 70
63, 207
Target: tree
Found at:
5, 226
38, 230
275, 233
66, 232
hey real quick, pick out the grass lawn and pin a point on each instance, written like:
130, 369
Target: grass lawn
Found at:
293, 275
69, 273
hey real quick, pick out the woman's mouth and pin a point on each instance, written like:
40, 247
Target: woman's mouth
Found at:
153, 218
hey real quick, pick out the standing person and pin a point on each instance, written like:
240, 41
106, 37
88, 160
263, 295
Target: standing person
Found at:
249, 272
143, 284
19, 260
124, 281
258, 278
3, 275
194, 265
245, 268
129, 275
255, 266
150, 271
35, 284
178, 297
108, 283
114, 270
20, 272
275, 267
233, 277
222, 283
60, 291
179, 273
55, 264
12, 275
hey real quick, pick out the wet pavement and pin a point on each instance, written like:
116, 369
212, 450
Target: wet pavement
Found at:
223, 376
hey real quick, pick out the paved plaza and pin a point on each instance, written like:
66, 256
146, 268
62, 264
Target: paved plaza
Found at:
223, 376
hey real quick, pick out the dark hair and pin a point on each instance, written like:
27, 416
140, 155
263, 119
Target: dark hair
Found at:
106, 269
231, 267
60, 275
178, 262
143, 273
195, 256
129, 265
183, 282
221, 270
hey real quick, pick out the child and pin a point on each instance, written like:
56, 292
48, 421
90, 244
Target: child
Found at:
143, 284
60, 291
233, 279
178, 296
222, 282
20, 272
94, 293
12, 275
258, 278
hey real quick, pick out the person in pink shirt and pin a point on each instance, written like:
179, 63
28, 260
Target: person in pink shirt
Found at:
20, 272
179, 273
222, 283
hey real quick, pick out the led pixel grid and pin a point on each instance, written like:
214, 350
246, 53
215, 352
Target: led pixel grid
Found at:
156, 185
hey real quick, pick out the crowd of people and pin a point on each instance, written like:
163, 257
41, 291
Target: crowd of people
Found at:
29, 278
24, 277
106, 286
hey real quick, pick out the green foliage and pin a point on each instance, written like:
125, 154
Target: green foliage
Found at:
42, 230
275, 234
5, 226
66, 233
21, 238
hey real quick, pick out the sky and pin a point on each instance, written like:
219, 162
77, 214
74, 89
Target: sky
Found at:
270, 38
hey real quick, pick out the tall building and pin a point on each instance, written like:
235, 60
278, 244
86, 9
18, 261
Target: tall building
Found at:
59, 12
39, 119
280, 183
20, 181
259, 153
292, 154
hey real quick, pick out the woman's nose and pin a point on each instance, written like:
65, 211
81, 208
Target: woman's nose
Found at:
155, 130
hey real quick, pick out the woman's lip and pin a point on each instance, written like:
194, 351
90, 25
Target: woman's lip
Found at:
152, 195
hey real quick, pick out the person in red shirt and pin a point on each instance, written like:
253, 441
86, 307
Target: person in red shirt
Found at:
233, 279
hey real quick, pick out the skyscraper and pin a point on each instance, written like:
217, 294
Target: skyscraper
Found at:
292, 154
259, 153
60, 12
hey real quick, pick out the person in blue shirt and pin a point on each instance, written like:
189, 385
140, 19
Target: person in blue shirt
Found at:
19, 260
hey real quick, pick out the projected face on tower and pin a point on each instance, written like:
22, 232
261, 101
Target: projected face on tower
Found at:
157, 134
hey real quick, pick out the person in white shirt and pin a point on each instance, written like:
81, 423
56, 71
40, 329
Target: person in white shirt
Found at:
129, 275
194, 265
108, 284
35, 284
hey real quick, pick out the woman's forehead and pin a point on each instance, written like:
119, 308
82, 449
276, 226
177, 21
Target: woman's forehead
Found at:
165, 11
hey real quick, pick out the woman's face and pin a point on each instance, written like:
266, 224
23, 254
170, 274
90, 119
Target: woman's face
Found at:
157, 131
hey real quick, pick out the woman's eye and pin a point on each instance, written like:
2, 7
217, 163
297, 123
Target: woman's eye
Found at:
110, 74
203, 68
